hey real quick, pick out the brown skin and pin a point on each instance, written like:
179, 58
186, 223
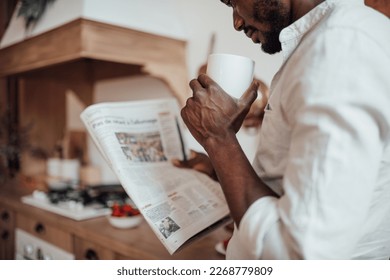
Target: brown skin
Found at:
254, 118
214, 126
198, 161
213, 117
382, 6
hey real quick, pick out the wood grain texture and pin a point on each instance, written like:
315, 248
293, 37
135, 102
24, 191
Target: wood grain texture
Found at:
43, 230
97, 234
86, 39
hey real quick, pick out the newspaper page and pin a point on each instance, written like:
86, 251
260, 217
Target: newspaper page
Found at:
138, 139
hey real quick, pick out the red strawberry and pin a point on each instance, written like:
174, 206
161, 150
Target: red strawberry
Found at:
135, 212
117, 211
226, 242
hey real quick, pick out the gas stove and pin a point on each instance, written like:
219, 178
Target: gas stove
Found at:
79, 204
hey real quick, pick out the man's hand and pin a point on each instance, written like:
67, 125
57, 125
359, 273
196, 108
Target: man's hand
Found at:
199, 162
213, 114
256, 113
213, 118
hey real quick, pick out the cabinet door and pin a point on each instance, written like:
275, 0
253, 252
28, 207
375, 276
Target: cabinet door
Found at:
47, 232
86, 250
7, 234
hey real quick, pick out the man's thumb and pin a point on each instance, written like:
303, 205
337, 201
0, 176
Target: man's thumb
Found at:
249, 95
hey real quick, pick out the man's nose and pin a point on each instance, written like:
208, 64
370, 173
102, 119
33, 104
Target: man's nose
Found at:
238, 22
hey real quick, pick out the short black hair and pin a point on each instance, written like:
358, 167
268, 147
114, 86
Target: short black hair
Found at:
226, 2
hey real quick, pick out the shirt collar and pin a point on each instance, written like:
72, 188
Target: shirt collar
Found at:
292, 34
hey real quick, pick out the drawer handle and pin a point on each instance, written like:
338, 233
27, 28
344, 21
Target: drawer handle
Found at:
5, 216
39, 228
91, 255
5, 235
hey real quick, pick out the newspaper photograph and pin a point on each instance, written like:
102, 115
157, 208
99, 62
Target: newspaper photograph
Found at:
138, 139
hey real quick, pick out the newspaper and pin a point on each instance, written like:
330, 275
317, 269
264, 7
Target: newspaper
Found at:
138, 139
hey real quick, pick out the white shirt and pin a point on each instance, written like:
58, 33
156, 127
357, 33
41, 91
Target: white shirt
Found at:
324, 143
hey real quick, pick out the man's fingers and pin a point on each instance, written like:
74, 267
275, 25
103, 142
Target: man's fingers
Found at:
205, 80
195, 85
250, 94
189, 163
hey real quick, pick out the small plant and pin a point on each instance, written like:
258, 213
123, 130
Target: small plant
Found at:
13, 140
32, 10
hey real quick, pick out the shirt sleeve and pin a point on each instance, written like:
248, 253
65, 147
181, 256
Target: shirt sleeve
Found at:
247, 243
339, 126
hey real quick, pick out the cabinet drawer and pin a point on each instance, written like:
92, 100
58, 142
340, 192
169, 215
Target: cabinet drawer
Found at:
86, 250
45, 231
7, 234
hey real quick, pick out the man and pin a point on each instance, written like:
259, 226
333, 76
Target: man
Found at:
319, 187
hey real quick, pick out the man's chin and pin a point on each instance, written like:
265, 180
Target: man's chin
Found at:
271, 49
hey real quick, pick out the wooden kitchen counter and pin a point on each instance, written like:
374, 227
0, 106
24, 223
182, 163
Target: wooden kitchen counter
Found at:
98, 235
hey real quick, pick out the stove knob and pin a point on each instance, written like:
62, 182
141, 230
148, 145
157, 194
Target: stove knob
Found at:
28, 250
39, 254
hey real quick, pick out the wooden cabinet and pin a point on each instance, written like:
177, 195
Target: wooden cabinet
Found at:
45, 231
7, 233
89, 239
87, 250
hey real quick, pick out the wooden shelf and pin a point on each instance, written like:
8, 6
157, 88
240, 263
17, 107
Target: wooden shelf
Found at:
80, 39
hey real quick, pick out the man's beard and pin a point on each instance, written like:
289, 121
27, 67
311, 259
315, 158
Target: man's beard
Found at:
271, 44
276, 16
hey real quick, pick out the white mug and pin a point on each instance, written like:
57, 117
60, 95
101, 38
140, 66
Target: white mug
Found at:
70, 170
233, 73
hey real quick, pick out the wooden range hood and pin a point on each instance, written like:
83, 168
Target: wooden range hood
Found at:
83, 39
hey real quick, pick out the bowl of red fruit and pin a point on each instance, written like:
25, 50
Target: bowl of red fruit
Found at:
124, 216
